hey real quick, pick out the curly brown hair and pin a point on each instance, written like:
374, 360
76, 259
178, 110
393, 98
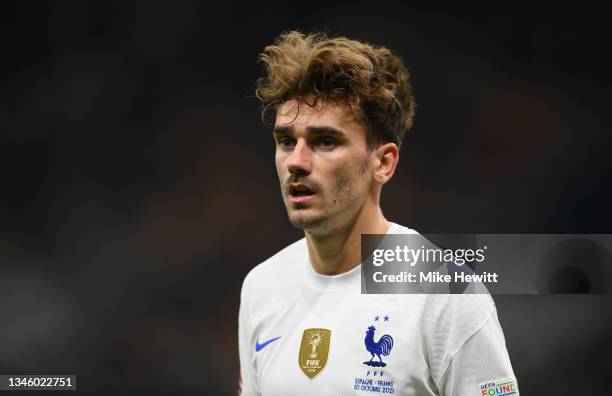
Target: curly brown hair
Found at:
365, 77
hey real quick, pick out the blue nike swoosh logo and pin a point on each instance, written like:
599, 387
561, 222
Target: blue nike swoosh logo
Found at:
259, 347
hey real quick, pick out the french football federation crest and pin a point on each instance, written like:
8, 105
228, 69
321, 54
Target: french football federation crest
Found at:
314, 350
376, 348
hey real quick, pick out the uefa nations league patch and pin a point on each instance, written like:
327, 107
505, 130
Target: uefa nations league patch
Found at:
499, 388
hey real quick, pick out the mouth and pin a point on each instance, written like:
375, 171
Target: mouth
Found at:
300, 193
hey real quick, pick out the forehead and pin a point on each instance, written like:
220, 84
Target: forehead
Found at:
301, 115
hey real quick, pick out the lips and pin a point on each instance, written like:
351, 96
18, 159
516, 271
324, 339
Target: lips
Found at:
300, 189
299, 192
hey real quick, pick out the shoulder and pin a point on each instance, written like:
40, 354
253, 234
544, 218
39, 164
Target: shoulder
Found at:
450, 320
452, 308
400, 229
281, 268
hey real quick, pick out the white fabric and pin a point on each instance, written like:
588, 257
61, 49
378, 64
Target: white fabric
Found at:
442, 344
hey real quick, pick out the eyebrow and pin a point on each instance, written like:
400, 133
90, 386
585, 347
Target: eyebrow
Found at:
313, 130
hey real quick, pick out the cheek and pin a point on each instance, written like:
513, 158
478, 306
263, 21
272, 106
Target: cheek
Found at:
278, 160
343, 183
344, 178
353, 178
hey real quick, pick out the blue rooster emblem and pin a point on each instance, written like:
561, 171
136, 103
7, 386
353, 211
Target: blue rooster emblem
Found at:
382, 347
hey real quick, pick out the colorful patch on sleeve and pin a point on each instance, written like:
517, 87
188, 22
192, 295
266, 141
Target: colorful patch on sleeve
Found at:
499, 388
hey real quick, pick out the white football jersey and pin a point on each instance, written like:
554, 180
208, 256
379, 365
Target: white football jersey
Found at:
302, 333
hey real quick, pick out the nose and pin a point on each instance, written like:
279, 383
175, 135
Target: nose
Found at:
300, 160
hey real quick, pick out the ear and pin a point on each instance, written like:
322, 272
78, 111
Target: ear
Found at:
387, 157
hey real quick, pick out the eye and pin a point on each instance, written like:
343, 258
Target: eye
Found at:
327, 142
285, 142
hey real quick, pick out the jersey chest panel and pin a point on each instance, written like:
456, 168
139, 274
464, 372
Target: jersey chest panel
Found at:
375, 345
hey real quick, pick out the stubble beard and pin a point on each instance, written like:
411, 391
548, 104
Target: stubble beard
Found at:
343, 198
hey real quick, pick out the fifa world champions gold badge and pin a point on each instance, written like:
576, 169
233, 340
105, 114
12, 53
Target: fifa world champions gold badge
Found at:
314, 351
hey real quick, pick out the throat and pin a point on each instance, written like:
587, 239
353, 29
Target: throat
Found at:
339, 250
334, 256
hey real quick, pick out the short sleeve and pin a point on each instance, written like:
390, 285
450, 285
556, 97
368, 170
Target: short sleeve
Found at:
481, 366
248, 384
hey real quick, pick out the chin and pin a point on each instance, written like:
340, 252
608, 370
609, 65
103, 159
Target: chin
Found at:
312, 223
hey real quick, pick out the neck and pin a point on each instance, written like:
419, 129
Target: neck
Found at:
339, 250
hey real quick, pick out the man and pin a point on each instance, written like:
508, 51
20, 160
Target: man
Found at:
341, 109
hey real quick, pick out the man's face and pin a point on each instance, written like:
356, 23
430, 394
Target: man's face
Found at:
323, 164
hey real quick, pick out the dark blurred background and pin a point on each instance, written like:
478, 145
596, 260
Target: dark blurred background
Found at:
138, 183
